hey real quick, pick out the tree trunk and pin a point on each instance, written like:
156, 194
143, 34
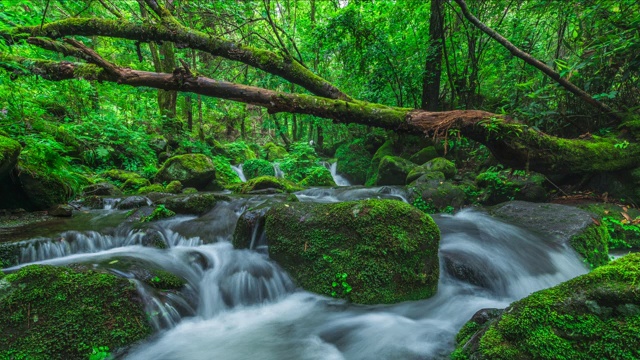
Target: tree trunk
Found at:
433, 66
538, 64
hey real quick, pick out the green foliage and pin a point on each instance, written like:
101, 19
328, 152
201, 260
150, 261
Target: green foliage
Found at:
423, 206
257, 167
160, 212
341, 287
100, 353
239, 152
299, 162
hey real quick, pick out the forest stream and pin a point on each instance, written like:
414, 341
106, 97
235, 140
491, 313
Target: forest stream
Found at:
238, 304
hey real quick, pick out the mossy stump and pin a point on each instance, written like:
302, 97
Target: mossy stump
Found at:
371, 251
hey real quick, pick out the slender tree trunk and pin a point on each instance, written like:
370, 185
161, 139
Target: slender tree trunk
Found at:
433, 66
538, 64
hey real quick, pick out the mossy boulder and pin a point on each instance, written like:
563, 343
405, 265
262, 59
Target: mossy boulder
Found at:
43, 190
318, 176
268, 184
101, 189
192, 170
274, 152
393, 170
563, 224
353, 161
426, 154
439, 195
49, 312
9, 151
198, 203
158, 188
257, 167
133, 202
174, 187
134, 184
372, 173
504, 185
424, 173
594, 316
374, 251
448, 168
621, 223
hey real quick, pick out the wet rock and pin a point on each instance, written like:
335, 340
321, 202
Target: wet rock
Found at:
43, 190
448, 168
101, 189
9, 151
249, 232
424, 155
62, 210
133, 202
468, 268
199, 203
563, 224
594, 316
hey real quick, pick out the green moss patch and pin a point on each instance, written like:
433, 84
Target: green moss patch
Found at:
594, 316
268, 182
372, 251
49, 312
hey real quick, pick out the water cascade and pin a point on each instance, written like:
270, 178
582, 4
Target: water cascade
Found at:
238, 304
339, 179
278, 172
238, 170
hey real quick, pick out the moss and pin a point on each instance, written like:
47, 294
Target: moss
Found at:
135, 184
257, 167
189, 190
43, 190
198, 203
274, 152
192, 170
448, 168
624, 234
424, 155
49, 312
173, 187
160, 212
393, 170
9, 151
318, 176
239, 152
151, 188
594, 316
387, 249
385, 150
164, 280
593, 245
353, 161
269, 182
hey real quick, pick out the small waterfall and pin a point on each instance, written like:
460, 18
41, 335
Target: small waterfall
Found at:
337, 178
238, 170
278, 172
110, 203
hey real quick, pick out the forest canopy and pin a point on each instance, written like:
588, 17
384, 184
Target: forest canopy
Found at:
447, 70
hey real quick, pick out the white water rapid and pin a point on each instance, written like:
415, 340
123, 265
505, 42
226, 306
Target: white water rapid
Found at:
240, 305
238, 170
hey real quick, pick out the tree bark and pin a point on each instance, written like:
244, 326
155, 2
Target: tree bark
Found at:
538, 64
288, 69
433, 66
513, 143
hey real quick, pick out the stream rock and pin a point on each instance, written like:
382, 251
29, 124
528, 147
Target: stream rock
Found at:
594, 316
133, 202
197, 204
561, 223
192, 170
370, 251
49, 312
353, 161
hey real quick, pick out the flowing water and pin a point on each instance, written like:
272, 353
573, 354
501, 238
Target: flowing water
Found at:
339, 179
238, 170
238, 304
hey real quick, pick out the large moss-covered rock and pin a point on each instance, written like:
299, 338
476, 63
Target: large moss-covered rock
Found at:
256, 168
239, 152
424, 155
353, 161
594, 316
9, 151
43, 190
505, 185
268, 184
393, 170
385, 150
374, 251
101, 189
448, 168
318, 176
49, 312
564, 224
192, 170
438, 195
274, 152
